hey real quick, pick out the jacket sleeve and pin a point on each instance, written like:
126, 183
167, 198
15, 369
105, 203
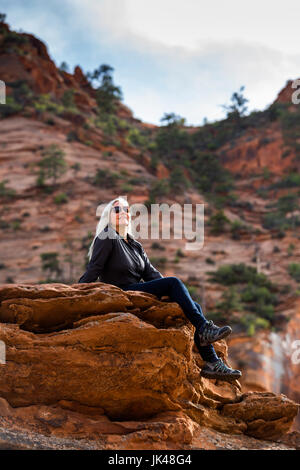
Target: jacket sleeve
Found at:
101, 251
150, 272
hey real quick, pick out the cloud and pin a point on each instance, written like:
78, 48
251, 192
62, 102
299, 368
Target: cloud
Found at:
203, 52
41, 20
173, 58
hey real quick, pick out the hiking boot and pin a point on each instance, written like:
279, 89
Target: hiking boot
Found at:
219, 370
212, 333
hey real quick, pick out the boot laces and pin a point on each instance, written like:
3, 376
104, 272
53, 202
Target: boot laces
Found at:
210, 330
221, 367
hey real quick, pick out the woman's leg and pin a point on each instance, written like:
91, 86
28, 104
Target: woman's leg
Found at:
177, 291
208, 352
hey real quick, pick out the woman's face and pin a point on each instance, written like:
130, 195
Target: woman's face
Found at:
121, 217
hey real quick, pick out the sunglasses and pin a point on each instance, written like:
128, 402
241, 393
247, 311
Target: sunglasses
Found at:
118, 209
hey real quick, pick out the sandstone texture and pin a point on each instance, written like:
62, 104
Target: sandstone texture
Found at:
93, 366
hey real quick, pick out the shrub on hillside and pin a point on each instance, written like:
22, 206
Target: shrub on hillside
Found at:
294, 271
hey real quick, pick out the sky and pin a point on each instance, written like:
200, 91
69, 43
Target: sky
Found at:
185, 57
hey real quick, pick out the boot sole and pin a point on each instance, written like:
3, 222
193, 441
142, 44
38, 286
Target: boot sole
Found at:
222, 336
213, 375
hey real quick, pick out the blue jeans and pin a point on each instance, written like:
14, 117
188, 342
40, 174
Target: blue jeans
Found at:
175, 289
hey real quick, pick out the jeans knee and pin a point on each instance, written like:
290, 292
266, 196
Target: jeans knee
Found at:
175, 280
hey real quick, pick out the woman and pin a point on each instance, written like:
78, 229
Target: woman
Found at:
117, 258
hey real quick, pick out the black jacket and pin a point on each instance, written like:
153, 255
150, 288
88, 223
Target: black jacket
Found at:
116, 262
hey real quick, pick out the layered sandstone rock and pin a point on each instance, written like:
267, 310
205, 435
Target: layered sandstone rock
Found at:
270, 360
258, 149
115, 369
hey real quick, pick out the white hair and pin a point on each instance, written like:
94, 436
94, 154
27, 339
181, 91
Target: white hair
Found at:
105, 220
